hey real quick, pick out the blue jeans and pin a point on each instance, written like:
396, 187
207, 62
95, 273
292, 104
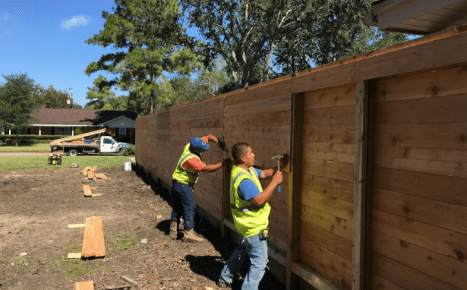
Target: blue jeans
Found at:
257, 250
184, 204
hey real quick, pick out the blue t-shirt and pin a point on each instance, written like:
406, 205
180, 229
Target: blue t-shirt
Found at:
248, 189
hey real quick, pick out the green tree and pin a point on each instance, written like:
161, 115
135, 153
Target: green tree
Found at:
17, 102
51, 97
99, 94
149, 39
77, 106
261, 39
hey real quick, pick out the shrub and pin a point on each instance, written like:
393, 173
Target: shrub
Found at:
8, 141
78, 131
128, 151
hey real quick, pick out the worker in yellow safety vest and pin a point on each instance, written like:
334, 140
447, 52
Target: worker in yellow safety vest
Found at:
183, 179
250, 212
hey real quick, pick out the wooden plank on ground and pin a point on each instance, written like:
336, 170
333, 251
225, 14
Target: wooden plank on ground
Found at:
87, 190
93, 240
101, 176
72, 226
91, 175
86, 169
86, 285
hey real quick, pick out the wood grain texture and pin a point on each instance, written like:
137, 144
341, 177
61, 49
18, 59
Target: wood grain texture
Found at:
342, 115
331, 205
437, 187
330, 169
274, 103
436, 83
319, 276
93, 240
449, 243
407, 277
428, 262
331, 187
330, 97
268, 118
327, 222
329, 134
380, 283
85, 285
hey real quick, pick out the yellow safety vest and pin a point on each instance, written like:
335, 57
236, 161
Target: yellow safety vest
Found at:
248, 218
185, 175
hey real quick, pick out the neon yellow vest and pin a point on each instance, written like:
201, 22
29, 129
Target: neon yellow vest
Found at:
248, 218
185, 175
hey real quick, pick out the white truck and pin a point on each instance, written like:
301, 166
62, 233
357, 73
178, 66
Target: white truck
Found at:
105, 144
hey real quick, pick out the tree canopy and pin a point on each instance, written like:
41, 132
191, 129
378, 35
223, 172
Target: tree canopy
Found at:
17, 102
51, 97
149, 39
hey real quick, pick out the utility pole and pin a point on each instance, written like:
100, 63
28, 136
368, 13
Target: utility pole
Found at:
70, 101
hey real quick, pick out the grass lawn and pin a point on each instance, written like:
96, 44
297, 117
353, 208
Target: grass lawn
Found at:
40, 147
17, 163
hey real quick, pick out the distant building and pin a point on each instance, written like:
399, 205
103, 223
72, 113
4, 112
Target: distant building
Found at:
120, 124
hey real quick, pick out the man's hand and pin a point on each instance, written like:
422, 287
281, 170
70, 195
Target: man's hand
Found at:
277, 178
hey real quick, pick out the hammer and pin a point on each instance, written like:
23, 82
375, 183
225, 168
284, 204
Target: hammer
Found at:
278, 168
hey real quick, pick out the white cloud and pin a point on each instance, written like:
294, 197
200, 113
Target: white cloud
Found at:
79, 20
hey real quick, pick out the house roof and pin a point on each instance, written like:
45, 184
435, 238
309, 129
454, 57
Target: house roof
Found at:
417, 16
78, 117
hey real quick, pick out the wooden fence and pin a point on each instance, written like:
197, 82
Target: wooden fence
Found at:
375, 195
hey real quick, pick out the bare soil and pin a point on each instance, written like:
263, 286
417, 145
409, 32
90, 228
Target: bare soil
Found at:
38, 205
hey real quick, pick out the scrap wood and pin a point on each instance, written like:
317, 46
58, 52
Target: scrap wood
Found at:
72, 226
117, 287
96, 194
91, 174
93, 240
129, 280
101, 176
86, 285
87, 190
85, 170
93, 168
74, 255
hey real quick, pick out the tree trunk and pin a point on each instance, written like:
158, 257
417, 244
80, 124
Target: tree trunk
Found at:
151, 103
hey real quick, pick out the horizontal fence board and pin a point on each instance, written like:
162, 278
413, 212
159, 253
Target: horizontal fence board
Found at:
415, 153
333, 188
328, 222
258, 132
425, 210
407, 277
325, 272
449, 243
329, 155
330, 169
328, 147
278, 204
444, 136
330, 97
273, 147
326, 239
420, 86
260, 92
331, 260
274, 103
444, 188
331, 205
329, 134
428, 262
380, 283
458, 169
343, 115
269, 118
446, 109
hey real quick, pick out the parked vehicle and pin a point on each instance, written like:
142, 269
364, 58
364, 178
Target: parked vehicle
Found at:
104, 144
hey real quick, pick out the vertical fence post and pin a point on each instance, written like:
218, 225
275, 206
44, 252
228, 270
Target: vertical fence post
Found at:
359, 257
295, 184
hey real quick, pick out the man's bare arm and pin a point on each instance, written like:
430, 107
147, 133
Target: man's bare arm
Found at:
264, 196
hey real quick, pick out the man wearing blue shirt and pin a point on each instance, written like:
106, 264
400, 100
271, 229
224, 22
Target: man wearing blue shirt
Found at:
250, 212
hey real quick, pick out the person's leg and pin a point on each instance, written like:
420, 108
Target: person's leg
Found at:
258, 251
232, 264
188, 204
177, 210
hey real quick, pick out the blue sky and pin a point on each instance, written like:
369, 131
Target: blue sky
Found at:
46, 40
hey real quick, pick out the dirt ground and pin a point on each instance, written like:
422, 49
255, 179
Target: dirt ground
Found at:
38, 205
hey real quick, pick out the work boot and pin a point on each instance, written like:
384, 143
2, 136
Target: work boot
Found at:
190, 236
173, 230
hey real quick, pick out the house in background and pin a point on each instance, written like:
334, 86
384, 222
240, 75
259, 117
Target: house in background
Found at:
120, 124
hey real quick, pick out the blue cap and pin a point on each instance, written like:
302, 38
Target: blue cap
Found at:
198, 144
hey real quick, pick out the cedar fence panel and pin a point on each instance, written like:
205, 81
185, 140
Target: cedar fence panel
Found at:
375, 194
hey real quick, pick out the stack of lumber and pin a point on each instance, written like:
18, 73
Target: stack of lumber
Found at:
86, 285
93, 240
90, 174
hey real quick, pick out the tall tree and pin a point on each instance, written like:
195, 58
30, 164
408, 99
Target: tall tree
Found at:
263, 38
149, 39
17, 102
52, 98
